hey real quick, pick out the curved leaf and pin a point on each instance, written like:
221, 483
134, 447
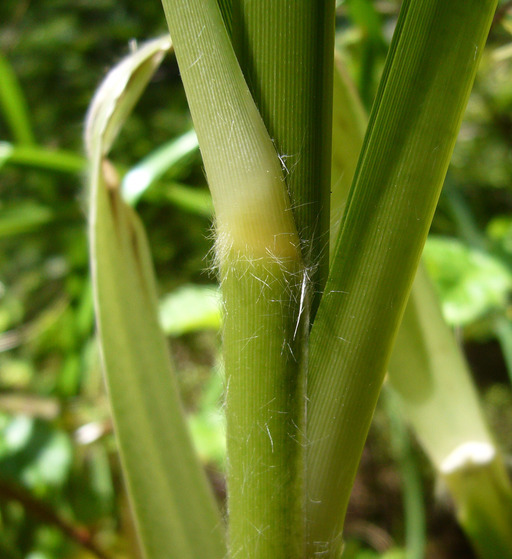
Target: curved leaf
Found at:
174, 508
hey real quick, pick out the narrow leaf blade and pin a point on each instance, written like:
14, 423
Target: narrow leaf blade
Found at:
174, 508
414, 124
13, 104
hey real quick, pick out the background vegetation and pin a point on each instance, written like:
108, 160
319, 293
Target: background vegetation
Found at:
60, 489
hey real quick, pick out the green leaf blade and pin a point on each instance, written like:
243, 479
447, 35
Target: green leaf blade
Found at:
414, 124
168, 490
14, 105
174, 508
140, 177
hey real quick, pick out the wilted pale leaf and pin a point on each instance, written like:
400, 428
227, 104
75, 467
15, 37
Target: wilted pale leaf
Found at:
118, 93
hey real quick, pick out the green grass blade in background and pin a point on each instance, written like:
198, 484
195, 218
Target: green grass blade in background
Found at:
409, 471
41, 158
349, 124
261, 270
13, 105
412, 131
29, 217
285, 50
193, 200
174, 508
141, 176
372, 45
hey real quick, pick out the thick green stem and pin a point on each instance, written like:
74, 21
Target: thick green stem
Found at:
258, 253
286, 50
263, 336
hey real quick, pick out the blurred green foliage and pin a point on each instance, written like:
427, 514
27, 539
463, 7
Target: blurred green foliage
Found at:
60, 488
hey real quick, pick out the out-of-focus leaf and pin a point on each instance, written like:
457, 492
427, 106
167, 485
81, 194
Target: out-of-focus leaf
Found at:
364, 14
156, 164
193, 200
13, 104
38, 555
373, 47
395, 553
191, 308
24, 218
470, 283
208, 425
348, 125
41, 158
174, 508
500, 231
34, 453
353, 551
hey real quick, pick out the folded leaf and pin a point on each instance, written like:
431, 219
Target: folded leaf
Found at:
174, 508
